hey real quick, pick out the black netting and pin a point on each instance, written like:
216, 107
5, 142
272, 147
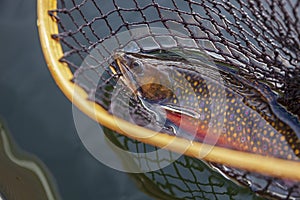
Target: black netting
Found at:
261, 39
261, 36
190, 178
185, 178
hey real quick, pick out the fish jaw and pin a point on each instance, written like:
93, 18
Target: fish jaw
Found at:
127, 76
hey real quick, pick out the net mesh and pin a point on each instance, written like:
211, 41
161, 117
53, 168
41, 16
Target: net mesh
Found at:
261, 38
185, 178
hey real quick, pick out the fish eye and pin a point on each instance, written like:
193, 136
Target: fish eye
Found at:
137, 67
136, 64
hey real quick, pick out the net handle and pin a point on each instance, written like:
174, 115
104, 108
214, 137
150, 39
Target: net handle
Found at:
62, 75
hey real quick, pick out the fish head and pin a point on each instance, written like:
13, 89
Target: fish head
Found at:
144, 75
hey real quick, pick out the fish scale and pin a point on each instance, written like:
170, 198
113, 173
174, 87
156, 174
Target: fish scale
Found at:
240, 119
244, 127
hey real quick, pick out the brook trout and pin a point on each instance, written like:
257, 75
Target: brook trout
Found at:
201, 103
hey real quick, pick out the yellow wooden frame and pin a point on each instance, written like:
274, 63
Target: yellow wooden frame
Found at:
62, 75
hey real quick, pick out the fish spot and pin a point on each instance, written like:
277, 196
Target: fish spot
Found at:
247, 112
273, 124
248, 130
239, 128
265, 132
215, 131
243, 139
281, 153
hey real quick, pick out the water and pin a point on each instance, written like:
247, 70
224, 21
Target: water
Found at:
40, 117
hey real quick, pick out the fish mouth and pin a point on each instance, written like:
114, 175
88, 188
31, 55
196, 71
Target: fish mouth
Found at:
127, 77
122, 62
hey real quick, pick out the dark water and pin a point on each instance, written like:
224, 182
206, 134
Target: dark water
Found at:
39, 116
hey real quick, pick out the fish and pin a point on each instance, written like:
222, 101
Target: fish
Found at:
197, 96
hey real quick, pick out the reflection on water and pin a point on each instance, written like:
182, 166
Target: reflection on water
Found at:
40, 117
2, 197
22, 176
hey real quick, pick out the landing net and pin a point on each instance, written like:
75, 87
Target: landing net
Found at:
260, 38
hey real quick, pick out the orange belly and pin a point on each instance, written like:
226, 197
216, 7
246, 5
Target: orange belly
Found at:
242, 140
